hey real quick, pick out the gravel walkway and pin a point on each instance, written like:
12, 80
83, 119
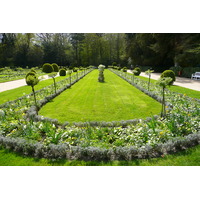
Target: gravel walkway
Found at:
180, 81
17, 83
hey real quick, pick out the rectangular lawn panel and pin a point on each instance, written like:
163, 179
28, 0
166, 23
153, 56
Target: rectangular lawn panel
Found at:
90, 100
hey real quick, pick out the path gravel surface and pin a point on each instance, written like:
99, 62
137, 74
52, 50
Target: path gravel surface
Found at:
17, 83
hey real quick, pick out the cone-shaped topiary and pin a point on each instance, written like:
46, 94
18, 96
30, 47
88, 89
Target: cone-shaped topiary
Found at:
62, 72
169, 73
55, 67
47, 68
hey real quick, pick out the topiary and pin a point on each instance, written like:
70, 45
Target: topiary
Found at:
124, 69
47, 68
114, 64
75, 69
55, 67
32, 80
137, 71
32, 70
62, 72
169, 73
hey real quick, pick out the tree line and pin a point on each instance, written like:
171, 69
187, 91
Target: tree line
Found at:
160, 50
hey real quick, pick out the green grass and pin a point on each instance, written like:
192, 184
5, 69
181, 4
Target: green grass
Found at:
179, 89
90, 100
189, 157
13, 94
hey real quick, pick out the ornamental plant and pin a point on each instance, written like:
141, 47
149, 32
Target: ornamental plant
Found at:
164, 82
53, 75
169, 73
62, 72
55, 67
47, 68
148, 72
101, 75
32, 80
138, 71
70, 78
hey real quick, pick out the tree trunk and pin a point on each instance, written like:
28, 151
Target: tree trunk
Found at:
35, 99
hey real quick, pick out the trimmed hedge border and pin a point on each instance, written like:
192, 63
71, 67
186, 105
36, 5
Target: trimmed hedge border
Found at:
64, 151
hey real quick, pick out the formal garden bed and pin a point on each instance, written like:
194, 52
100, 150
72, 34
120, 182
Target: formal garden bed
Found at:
22, 130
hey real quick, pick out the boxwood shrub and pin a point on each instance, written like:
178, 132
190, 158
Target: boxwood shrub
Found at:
47, 68
169, 73
55, 67
137, 71
62, 72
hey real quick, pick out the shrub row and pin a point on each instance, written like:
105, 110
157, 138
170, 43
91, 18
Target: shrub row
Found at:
65, 151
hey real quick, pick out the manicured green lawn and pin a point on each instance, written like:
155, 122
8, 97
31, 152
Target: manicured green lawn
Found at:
10, 95
90, 100
189, 157
179, 89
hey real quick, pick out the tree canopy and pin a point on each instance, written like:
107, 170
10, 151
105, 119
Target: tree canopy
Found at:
161, 50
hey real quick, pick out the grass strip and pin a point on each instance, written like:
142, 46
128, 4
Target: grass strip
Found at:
174, 88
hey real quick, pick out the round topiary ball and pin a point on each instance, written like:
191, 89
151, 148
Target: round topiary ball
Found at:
47, 68
137, 71
169, 73
62, 72
55, 67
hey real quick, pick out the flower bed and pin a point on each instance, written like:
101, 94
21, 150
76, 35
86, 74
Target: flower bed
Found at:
179, 130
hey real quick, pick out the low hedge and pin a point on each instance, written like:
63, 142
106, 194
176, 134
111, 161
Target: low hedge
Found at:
65, 151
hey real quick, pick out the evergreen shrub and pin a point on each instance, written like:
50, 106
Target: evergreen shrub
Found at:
55, 67
169, 73
124, 69
47, 68
137, 71
62, 72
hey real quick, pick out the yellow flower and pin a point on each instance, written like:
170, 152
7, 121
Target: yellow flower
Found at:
161, 132
184, 95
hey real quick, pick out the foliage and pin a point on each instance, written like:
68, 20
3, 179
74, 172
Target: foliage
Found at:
75, 69
53, 75
32, 80
137, 71
62, 72
114, 64
169, 73
177, 70
164, 82
188, 71
124, 69
179, 130
148, 72
101, 74
55, 67
47, 68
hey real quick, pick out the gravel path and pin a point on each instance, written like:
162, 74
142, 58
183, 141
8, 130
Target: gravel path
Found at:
180, 81
17, 83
